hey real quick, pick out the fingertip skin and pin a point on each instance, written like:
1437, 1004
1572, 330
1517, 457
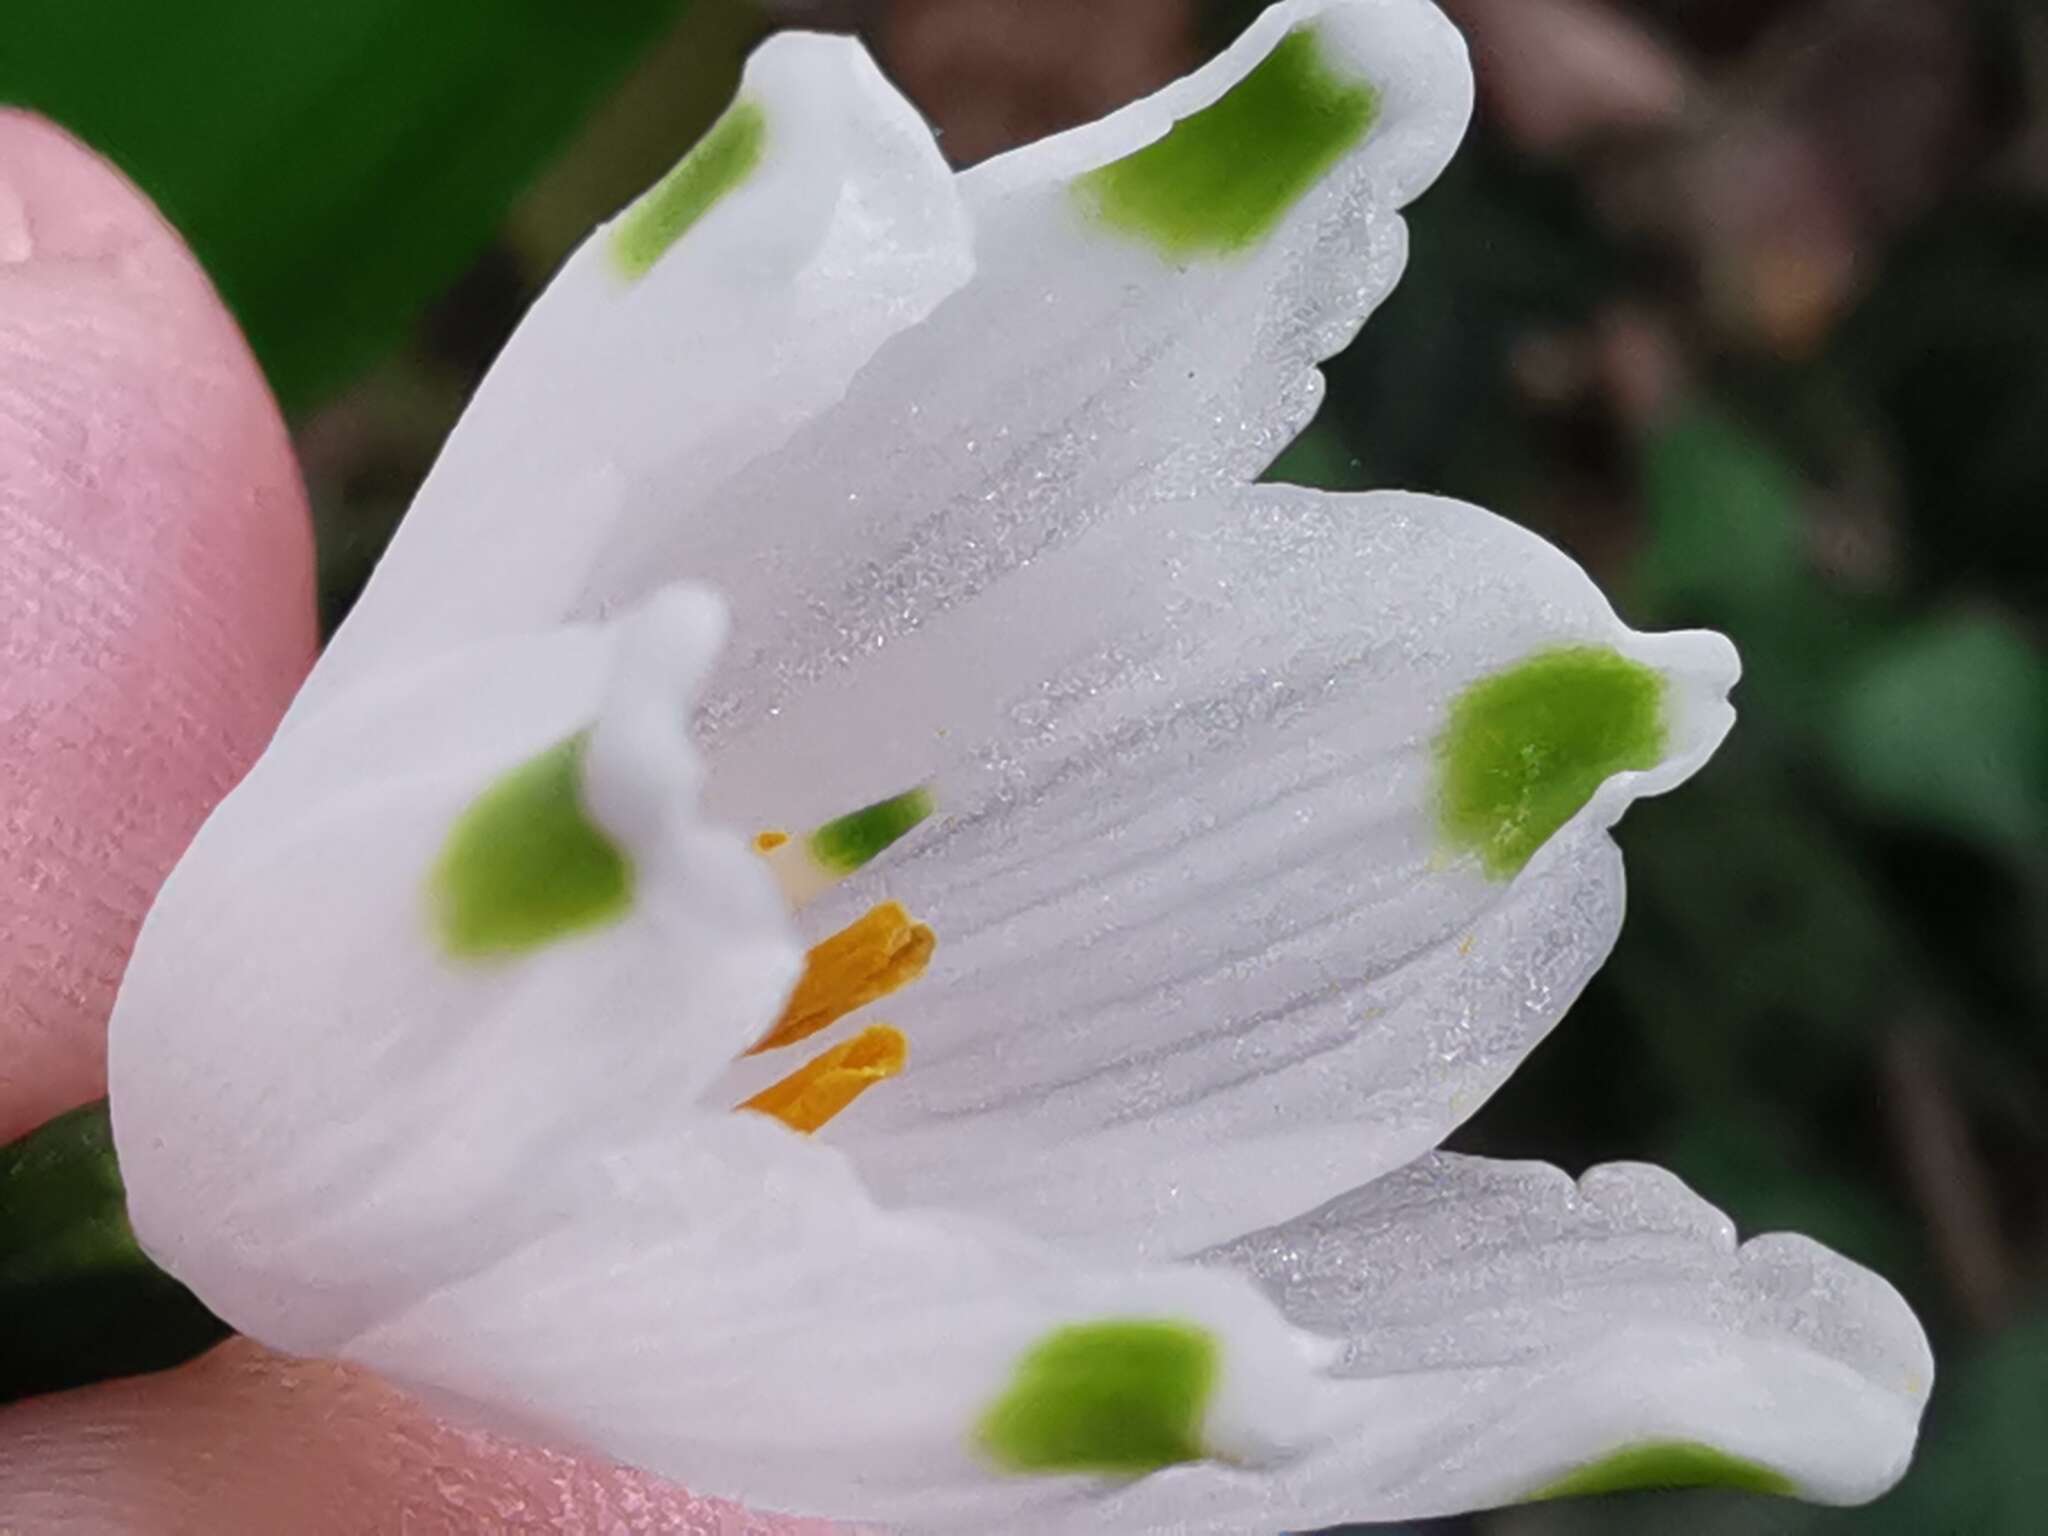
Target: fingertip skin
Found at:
247, 1440
156, 590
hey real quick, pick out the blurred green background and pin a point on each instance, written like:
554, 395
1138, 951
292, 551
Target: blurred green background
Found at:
1743, 302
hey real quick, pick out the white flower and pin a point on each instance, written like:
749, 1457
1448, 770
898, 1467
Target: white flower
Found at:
1239, 840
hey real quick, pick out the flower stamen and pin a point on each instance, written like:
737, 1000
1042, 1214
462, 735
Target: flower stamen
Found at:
823, 1086
806, 867
868, 959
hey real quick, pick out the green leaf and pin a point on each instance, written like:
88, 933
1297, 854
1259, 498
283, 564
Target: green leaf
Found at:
1984, 1471
1320, 460
1980, 1470
334, 165
1778, 1173
79, 1302
1723, 515
1948, 725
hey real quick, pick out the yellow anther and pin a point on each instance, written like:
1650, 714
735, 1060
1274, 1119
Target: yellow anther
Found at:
823, 1086
863, 961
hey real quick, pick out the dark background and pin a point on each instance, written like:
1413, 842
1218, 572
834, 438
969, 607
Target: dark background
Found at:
1743, 302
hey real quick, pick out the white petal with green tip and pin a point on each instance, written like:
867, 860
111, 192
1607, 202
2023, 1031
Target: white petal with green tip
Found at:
1211, 945
456, 923
1513, 1334
723, 1302
1083, 370
694, 332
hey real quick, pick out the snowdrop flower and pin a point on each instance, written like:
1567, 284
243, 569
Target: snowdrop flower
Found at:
860, 919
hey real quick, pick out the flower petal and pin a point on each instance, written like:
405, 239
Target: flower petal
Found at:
411, 1069
722, 1303
1543, 1338
1102, 354
1506, 1335
734, 300
456, 926
1270, 838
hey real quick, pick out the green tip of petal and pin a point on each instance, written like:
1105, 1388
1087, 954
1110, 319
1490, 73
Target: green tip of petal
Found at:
525, 864
721, 160
1222, 178
1668, 1464
1122, 1397
844, 845
1527, 747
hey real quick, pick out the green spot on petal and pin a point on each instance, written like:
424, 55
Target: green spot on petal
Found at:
1527, 747
844, 845
1124, 1397
721, 160
1221, 179
526, 865
1668, 1464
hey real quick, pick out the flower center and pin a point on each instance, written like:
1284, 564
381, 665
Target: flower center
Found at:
876, 954
808, 866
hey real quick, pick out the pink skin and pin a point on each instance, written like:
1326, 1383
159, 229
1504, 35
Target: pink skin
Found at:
156, 595
156, 580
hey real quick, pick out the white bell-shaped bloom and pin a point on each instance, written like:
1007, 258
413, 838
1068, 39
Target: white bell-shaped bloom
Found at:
513, 1030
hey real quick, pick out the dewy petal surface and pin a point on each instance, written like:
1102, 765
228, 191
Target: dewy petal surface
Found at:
723, 1302
461, 1126
1088, 366
697, 330
1512, 1334
1209, 947
345, 1063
